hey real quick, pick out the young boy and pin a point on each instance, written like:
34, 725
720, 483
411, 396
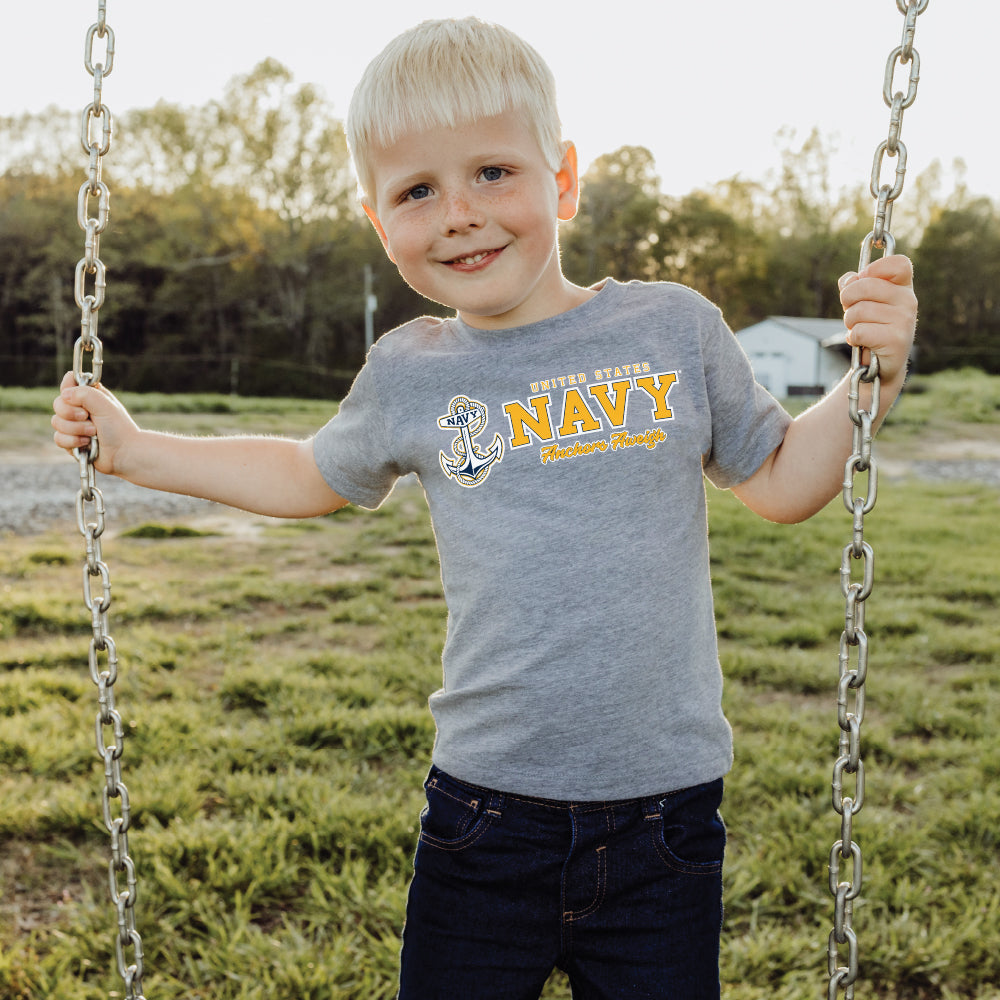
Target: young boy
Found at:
561, 435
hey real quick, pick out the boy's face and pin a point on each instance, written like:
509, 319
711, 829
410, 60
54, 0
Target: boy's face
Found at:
469, 216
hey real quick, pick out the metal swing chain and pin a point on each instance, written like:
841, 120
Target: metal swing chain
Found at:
851, 688
95, 136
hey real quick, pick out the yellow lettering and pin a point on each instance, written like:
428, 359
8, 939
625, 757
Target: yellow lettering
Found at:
657, 386
575, 412
521, 421
614, 411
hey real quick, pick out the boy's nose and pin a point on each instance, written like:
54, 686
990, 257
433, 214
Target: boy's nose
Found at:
461, 214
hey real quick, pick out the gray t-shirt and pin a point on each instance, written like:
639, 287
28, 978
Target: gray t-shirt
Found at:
563, 465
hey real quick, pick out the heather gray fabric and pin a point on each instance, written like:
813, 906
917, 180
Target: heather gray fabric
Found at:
563, 464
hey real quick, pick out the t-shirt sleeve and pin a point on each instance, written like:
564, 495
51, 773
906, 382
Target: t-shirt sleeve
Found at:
353, 450
748, 423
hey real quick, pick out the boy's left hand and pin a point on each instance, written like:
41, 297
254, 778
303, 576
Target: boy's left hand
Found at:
880, 312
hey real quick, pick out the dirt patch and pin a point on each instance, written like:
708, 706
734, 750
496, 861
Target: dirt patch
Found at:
974, 457
39, 495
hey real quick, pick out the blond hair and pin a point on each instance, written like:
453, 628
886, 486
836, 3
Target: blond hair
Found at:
447, 73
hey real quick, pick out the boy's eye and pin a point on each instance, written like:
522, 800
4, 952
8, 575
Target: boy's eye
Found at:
418, 193
492, 173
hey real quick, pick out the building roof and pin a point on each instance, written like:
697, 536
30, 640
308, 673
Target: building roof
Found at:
826, 332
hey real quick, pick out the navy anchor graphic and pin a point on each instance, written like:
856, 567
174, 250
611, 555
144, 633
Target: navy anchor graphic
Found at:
469, 465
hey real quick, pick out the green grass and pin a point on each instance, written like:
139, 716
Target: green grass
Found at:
24, 414
273, 689
968, 396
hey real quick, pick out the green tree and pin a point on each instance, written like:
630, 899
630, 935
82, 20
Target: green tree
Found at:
708, 246
813, 233
616, 230
958, 266
281, 154
40, 244
40, 143
288, 152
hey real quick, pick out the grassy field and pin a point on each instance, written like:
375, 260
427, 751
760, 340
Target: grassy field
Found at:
274, 683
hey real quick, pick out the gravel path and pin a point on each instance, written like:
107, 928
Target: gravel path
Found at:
36, 496
967, 470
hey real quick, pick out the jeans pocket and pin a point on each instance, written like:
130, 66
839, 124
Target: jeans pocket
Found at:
456, 814
689, 835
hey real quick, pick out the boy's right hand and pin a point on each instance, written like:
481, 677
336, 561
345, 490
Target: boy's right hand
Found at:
82, 412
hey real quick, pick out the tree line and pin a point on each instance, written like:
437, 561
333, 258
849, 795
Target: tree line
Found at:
237, 255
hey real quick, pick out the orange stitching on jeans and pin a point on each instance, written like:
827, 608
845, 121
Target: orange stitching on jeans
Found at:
602, 887
471, 804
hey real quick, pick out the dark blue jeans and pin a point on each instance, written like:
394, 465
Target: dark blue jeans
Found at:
626, 896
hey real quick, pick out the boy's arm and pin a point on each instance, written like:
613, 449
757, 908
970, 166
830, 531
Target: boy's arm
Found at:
273, 476
806, 470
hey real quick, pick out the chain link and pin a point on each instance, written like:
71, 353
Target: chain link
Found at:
92, 213
853, 657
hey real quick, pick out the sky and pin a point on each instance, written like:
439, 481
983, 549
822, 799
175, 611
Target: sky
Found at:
706, 86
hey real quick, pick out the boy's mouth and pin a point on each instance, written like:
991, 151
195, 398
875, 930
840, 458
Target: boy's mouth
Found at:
474, 260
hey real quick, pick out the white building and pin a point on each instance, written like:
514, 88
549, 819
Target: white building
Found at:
797, 357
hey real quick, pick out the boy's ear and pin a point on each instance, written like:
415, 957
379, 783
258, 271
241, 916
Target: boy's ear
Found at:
568, 183
370, 212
